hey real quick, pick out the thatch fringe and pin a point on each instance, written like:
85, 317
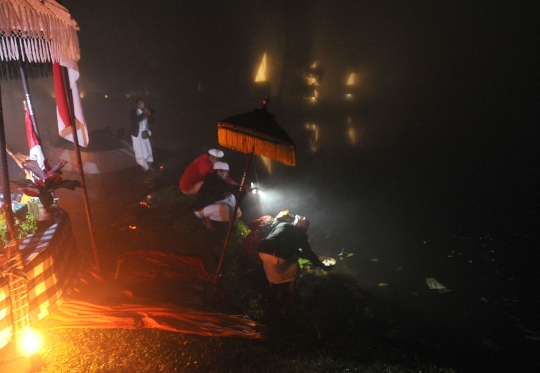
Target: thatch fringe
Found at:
247, 143
10, 70
36, 31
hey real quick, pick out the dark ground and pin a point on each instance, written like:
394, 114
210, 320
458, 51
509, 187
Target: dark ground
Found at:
487, 322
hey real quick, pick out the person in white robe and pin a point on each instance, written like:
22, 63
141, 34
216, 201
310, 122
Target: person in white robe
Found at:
141, 118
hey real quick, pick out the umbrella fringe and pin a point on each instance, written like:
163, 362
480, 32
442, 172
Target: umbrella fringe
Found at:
246, 143
10, 70
47, 30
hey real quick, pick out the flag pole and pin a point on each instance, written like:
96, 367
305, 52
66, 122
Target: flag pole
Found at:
67, 89
6, 190
29, 104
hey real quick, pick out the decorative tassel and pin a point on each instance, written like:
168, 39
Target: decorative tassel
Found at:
260, 144
46, 29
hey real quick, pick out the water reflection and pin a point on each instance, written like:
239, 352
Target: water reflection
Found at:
267, 162
336, 135
351, 131
313, 137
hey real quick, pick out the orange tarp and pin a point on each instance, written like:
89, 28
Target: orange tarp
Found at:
100, 303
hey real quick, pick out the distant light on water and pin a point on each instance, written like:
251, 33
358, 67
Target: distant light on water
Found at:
351, 131
352, 79
267, 162
262, 71
314, 136
352, 135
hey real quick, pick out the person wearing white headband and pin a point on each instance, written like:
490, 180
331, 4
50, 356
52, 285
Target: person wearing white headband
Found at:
193, 176
216, 199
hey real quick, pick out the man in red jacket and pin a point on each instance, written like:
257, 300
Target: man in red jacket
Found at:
193, 176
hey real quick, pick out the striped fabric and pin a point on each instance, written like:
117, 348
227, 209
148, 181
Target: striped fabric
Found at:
53, 263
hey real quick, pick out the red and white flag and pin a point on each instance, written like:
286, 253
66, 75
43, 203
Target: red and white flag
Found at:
36, 153
62, 108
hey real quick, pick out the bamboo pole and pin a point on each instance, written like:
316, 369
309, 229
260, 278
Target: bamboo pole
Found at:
77, 149
215, 278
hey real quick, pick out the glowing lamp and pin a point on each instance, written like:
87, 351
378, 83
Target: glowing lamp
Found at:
30, 342
254, 188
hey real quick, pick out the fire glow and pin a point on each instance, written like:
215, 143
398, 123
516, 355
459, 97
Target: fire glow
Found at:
30, 342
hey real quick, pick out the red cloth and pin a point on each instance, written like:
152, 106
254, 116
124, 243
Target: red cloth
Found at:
250, 244
99, 303
196, 172
62, 108
35, 151
61, 97
81, 314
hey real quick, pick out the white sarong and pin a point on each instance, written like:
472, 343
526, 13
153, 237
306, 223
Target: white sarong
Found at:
143, 147
219, 211
143, 151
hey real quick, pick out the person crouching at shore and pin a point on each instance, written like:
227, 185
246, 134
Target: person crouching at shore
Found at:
280, 251
216, 199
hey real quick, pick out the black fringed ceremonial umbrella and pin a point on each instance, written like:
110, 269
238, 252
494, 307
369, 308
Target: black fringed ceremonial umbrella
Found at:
255, 132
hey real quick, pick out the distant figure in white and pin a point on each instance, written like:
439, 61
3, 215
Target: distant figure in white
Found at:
141, 118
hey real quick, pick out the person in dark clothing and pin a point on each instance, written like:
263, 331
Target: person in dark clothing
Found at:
216, 199
260, 228
193, 177
281, 249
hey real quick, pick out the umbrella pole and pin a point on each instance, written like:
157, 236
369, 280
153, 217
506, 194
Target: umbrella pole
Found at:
79, 163
231, 223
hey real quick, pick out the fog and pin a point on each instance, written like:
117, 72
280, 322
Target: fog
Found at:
195, 62
438, 83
